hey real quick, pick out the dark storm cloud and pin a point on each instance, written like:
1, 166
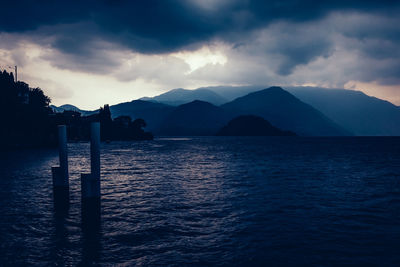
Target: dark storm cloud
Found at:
294, 45
157, 26
149, 26
272, 39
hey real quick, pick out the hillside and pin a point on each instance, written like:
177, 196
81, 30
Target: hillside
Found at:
152, 113
284, 111
354, 110
232, 92
194, 118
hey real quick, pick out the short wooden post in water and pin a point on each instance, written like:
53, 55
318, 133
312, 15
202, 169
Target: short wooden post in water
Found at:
60, 174
90, 186
90, 183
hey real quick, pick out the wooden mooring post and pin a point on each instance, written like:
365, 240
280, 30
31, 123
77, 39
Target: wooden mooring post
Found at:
90, 182
60, 174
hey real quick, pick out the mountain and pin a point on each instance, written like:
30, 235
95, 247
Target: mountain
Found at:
232, 92
194, 118
181, 96
284, 111
304, 110
354, 110
153, 113
216, 95
68, 107
250, 125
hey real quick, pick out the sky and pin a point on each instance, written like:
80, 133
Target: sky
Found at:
89, 53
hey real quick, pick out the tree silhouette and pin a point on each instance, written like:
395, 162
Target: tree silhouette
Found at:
139, 124
38, 98
24, 114
105, 123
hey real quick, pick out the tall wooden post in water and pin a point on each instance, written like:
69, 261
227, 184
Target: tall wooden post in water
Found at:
60, 174
95, 152
90, 183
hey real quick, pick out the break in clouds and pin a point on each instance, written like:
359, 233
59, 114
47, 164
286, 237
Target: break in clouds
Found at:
138, 48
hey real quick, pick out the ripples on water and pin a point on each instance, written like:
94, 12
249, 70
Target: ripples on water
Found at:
211, 201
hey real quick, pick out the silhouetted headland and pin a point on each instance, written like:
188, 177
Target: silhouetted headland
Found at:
250, 125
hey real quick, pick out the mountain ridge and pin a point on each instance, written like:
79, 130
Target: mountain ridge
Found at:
285, 111
179, 96
194, 118
350, 111
354, 110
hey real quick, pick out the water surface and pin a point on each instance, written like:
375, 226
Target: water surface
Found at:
210, 201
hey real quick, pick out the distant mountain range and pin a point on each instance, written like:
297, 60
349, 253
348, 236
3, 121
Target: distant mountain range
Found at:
216, 95
303, 110
69, 107
181, 96
274, 104
353, 110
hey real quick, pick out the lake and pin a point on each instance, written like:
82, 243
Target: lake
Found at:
210, 201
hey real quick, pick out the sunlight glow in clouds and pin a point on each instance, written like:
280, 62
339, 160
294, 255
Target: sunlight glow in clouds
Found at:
85, 90
201, 57
388, 92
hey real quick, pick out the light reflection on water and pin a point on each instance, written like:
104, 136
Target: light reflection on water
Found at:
229, 201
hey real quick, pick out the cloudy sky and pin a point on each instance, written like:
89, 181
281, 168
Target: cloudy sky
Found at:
89, 53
